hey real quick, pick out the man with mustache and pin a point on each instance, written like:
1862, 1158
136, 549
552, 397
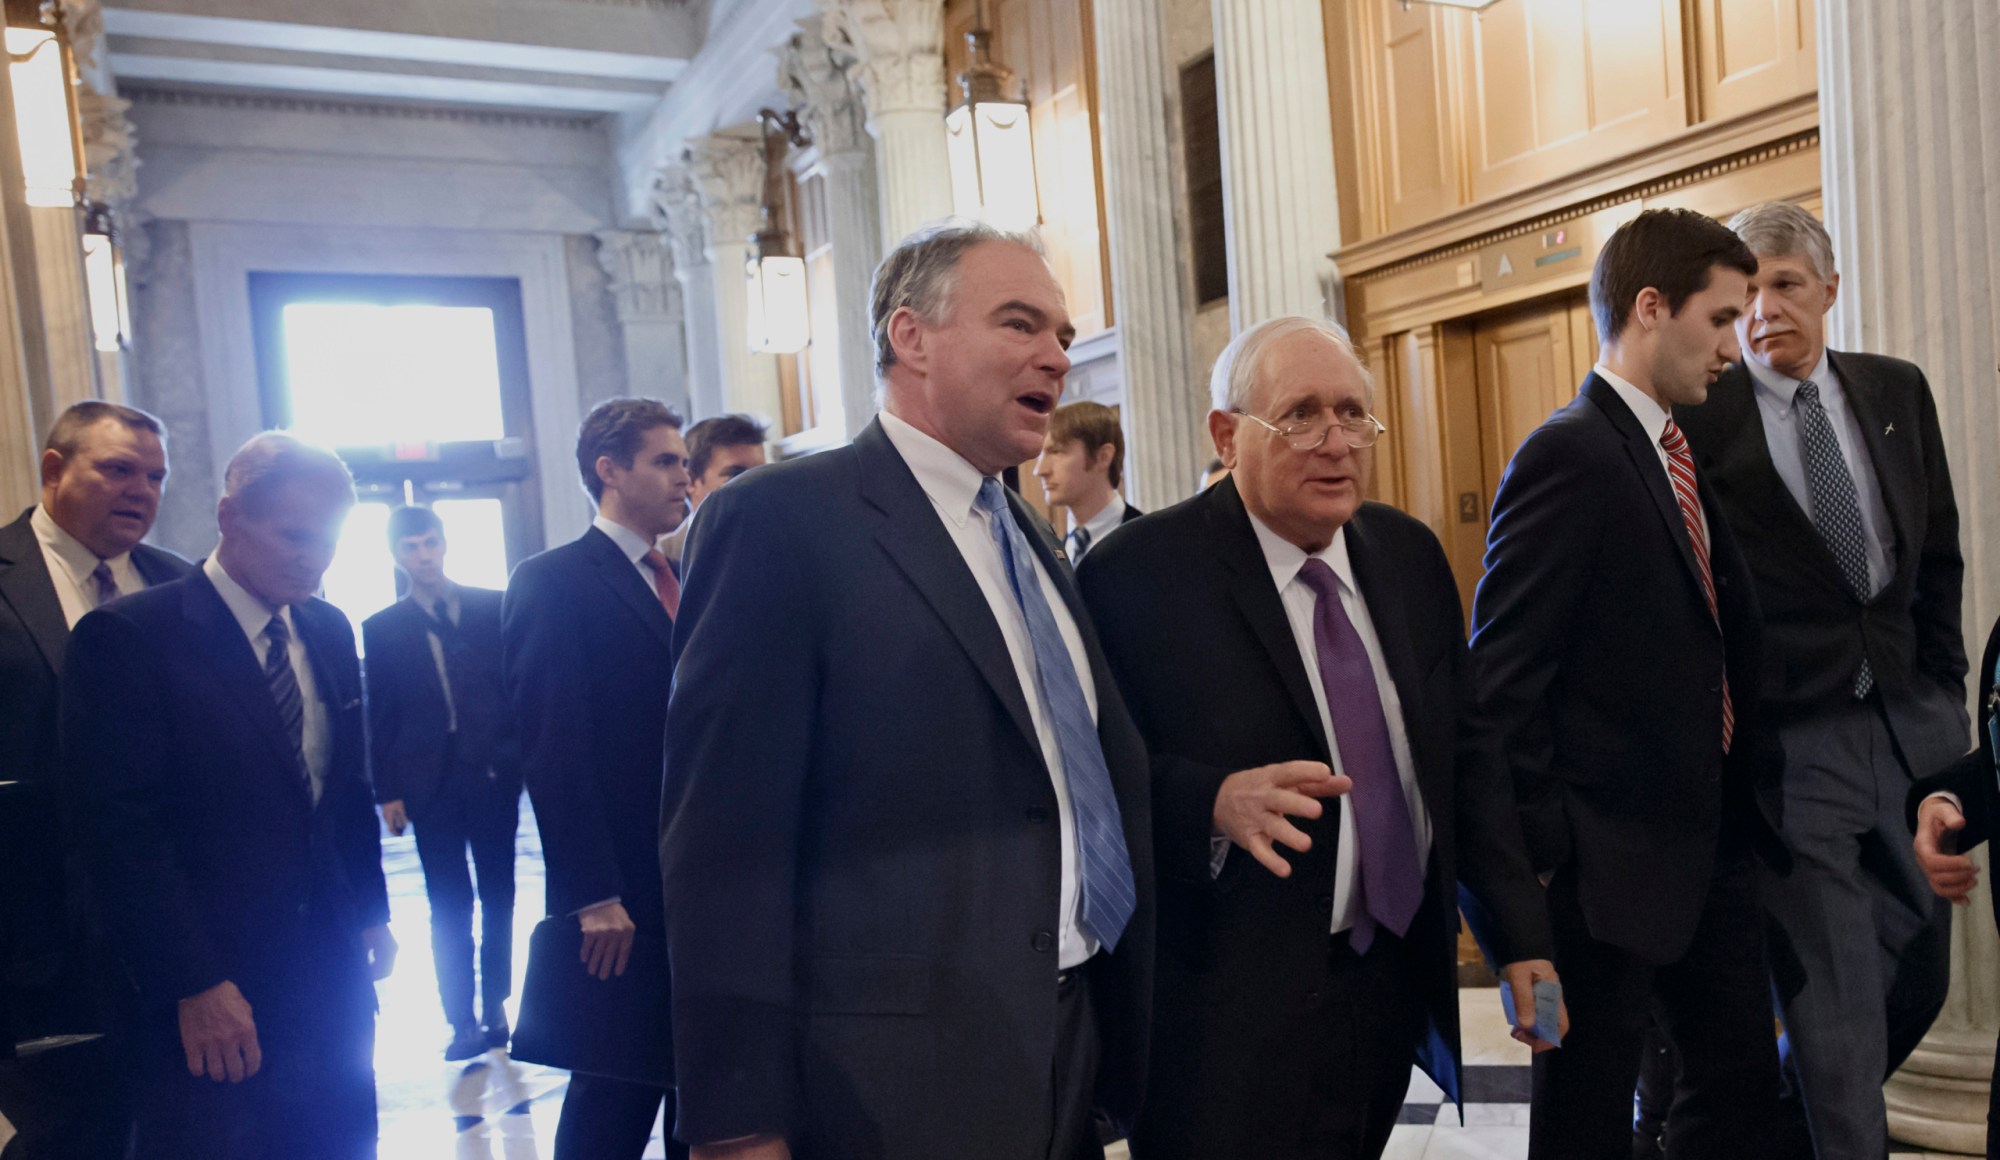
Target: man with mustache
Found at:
1830, 469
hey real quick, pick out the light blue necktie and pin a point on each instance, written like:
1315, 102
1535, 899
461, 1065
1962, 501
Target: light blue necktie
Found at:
1104, 868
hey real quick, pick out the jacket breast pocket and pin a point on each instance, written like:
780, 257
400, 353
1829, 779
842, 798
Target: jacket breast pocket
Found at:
866, 985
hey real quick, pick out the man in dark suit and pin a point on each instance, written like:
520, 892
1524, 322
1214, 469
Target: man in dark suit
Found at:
1830, 469
1306, 634
103, 470
217, 773
1615, 633
909, 882
1081, 466
446, 760
587, 634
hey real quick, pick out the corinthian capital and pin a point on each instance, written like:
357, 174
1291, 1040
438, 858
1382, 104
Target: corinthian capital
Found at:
642, 274
677, 211
897, 51
812, 72
728, 175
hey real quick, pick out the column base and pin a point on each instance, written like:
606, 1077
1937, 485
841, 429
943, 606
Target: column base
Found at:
1938, 1100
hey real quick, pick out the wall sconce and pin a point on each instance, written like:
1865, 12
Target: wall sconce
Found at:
104, 281
45, 115
992, 149
775, 275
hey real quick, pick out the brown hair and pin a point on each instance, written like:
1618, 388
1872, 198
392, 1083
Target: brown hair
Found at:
1672, 251
721, 431
67, 434
1093, 425
616, 428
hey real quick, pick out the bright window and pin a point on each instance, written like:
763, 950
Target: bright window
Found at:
365, 374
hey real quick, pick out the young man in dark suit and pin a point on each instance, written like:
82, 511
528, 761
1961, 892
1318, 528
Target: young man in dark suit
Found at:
907, 841
1081, 465
1615, 633
1830, 469
446, 761
1307, 642
103, 471
217, 776
587, 634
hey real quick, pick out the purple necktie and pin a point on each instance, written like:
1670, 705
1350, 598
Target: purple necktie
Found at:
1391, 880
107, 588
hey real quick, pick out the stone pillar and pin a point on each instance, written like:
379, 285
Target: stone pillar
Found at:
1908, 157
1280, 203
728, 174
67, 337
813, 73
677, 209
649, 313
895, 52
1166, 407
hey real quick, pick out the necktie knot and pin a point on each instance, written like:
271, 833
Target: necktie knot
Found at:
1672, 440
277, 633
1808, 393
991, 498
1079, 541
1315, 575
106, 585
657, 561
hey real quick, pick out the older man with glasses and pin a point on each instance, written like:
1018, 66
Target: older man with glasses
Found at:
1320, 782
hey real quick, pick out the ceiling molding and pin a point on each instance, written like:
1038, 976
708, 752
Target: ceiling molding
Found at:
143, 96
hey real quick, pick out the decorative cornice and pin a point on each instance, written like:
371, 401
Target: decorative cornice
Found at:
187, 98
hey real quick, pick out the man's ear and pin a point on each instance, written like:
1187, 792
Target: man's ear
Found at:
1649, 307
604, 466
1832, 290
1100, 461
52, 466
1222, 429
908, 338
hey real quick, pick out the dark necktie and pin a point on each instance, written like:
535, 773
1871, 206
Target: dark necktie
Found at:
1079, 542
285, 689
666, 585
107, 588
1680, 472
451, 644
1836, 509
1390, 884
1103, 865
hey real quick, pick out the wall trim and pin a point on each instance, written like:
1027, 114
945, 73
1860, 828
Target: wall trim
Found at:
200, 99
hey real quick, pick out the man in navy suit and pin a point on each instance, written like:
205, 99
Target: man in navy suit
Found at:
587, 635
907, 842
218, 781
445, 760
1616, 635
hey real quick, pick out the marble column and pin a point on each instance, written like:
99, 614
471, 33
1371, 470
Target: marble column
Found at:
1166, 407
1281, 206
728, 174
895, 53
677, 210
813, 73
649, 313
1910, 167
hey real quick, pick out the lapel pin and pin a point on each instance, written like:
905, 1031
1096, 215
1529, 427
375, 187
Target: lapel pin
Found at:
1889, 430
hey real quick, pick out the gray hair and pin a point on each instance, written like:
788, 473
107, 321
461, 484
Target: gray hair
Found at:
272, 459
1779, 229
1237, 367
919, 273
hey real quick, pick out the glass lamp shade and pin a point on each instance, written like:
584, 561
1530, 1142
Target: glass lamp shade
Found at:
103, 278
993, 164
778, 323
41, 116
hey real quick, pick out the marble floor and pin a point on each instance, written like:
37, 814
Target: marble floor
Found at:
495, 1109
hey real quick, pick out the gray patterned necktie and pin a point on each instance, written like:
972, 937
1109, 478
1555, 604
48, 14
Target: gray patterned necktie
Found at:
1836, 509
285, 692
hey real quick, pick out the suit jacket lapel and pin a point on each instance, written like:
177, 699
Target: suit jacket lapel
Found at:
221, 644
911, 533
26, 586
1885, 451
1646, 461
1257, 598
623, 577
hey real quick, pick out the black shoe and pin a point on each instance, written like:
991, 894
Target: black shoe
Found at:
467, 1042
497, 1032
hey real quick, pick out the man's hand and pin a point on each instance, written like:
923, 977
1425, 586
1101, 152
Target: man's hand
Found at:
381, 951
219, 1035
1522, 977
1252, 805
394, 817
607, 939
755, 1148
1952, 876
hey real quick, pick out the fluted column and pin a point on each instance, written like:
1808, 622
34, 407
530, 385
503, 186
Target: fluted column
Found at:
649, 312
1280, 203
813, 73
728, 175
1165, 407
677, 209
1910, 167
895, 51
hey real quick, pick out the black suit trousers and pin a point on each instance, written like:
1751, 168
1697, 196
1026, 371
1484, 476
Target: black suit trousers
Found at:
482, 812
610, 1119
1713, 1005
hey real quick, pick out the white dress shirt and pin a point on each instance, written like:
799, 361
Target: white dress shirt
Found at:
1285, 559
1783, 431
1100, 525
634, 545
253, 617
71, 565
952, 484
1653, 418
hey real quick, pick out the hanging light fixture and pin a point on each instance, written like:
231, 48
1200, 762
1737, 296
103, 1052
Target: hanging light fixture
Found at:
45, 114
776, 272
104, 280
992, 150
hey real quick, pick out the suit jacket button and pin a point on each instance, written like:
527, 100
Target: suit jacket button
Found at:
1715, 688
1044, 942
1037, 814
1312, 1000
1325, 903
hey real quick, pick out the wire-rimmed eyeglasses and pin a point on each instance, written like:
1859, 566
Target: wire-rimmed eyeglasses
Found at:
1361, 431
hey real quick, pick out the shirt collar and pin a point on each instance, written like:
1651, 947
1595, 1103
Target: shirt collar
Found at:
53, 537
1652, 417
1783, 387
1102, 524
947, 478
634, 545
250, 613
449, 602
1286, 558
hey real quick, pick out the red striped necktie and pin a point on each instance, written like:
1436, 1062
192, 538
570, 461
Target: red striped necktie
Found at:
1680, 470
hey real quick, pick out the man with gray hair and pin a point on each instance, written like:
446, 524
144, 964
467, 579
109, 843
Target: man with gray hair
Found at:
1831, 471
907, 838
217, 776
1322, 782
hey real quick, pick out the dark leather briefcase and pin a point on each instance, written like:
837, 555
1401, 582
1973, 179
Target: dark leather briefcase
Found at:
618, 1027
